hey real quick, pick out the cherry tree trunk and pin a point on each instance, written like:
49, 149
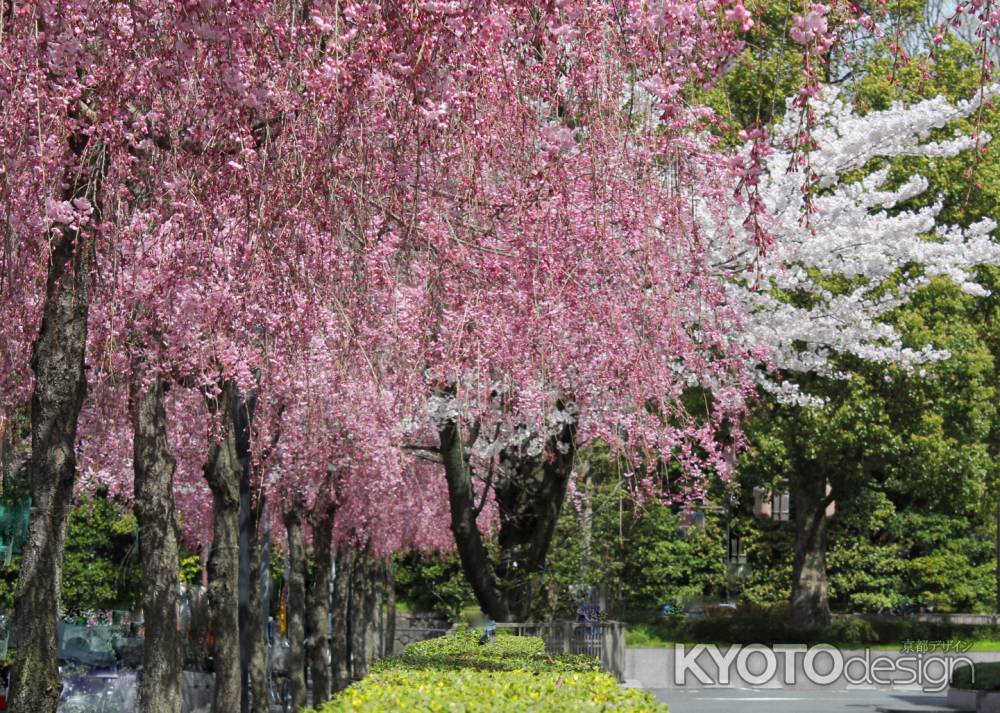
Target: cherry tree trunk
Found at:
8, 458
160, 689
340, 649
319, 605
810, 606
296, 606
476, 562
529, 498
390, 608
257, 621
60, 386
530, 495
362, 615
373, 611
15, 454
222, 472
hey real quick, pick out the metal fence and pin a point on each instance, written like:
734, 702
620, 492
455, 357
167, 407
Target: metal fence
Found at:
412, 627
406, 635
604, 640
951, 618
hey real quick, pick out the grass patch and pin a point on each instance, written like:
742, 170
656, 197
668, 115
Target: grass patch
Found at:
646, 636
471, 616
989, 645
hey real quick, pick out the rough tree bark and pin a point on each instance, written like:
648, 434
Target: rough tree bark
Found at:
530, 492
257, 619
60, 386
340, 649
362, 614
15, 453
810, 605
160, 688
222, 472
476, 562
530, 496
6, 458
243, 413
296, 605
373, 610
319, 602
390, 607
259, 550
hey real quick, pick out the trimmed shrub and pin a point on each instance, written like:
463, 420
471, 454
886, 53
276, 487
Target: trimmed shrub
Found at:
987, 676
507, 652
457, 673
473, 691
753, 626
855, 631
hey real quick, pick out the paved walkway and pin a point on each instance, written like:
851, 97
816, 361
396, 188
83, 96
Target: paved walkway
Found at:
742, 700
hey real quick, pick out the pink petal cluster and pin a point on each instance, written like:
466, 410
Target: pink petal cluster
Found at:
811, 28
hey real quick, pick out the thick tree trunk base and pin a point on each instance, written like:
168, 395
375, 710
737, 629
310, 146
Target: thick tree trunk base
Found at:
160, 690
35, 683
257, 624
319, 606
340, 634
57, 361
810, 604
476, 563
223, 471
296, 607
529, 493
223, 600
362, 615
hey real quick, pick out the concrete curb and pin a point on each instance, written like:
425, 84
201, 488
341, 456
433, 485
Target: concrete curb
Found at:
971, 700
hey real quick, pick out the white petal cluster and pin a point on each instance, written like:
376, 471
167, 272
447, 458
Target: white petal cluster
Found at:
442, 410
855, 232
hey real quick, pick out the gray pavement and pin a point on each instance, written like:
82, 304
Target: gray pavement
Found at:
771, 700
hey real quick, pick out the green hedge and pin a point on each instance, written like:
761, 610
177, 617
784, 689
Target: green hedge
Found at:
987, 676
751, 625
458, 674
506, 653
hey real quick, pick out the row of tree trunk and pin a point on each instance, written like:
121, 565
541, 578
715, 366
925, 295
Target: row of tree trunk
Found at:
340, 609
331, 619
